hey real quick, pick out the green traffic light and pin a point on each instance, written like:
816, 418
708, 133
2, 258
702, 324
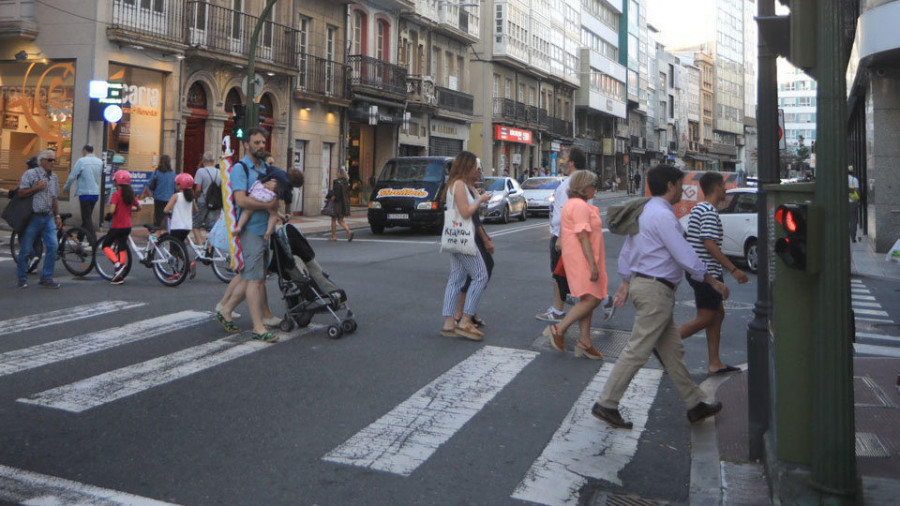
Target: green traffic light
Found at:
239, 133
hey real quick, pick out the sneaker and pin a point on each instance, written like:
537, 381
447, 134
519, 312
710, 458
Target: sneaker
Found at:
48, 283
120, 271
234, 314
22, 284
193, 270
267, 337
608, 308
117, 281
271, 322
551, 315
32, 263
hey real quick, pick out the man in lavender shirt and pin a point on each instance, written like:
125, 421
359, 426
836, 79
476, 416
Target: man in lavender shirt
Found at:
651, 264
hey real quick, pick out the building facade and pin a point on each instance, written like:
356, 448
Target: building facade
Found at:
797, 100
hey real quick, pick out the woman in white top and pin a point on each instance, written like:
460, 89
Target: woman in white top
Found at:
461, 193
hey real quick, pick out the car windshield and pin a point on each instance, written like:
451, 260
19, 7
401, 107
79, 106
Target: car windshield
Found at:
494, 184
540, 183
406, 171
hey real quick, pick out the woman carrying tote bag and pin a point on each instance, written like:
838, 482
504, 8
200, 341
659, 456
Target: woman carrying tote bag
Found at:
458, 238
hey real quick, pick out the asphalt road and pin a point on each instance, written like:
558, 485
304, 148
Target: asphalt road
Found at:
171, 408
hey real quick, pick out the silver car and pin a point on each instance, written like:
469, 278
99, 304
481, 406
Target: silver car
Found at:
507, 199
539, 193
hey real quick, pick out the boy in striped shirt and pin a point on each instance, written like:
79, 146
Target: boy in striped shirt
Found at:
704, 233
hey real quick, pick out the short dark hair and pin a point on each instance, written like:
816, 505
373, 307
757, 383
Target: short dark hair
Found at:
659, 177
88, 148
710, 180
255, 131
576, 157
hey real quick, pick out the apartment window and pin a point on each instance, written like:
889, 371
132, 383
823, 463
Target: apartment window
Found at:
532, 96
671, 107
448, 68
435, 62
461, 71
268, 29
237, 19
508, 89
521, 96
303, 35
496, 87
383, 41
356, 44
330, 41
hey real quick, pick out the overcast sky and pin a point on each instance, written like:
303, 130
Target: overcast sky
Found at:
681, 22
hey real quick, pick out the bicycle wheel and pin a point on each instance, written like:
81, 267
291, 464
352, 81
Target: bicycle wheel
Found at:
76, 251
105, 267
170, 261
221, 265
34, 259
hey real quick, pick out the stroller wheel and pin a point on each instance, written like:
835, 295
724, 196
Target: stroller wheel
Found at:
287, 324
348, 326
335, 332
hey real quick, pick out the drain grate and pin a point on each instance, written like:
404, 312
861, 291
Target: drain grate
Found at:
626, 500
868, 445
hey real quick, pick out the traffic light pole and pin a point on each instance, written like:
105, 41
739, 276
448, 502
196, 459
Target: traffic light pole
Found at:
253, 111
833, 462
758, 397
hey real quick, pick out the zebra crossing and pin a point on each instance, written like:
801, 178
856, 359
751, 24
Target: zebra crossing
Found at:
398, 442
869, 314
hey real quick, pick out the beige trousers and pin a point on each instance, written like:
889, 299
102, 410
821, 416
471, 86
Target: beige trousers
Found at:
654, 326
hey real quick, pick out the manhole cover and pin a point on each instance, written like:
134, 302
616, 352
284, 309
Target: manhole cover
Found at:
728, 304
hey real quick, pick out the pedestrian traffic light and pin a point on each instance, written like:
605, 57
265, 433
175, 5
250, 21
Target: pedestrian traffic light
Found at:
239, 121
798, 246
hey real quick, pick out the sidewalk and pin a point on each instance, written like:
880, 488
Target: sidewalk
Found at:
865, 262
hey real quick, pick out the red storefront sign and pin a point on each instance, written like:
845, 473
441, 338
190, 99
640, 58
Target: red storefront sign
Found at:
509, 134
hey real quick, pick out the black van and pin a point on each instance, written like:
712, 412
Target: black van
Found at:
409, 193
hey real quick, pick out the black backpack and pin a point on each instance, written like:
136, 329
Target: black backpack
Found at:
214, 196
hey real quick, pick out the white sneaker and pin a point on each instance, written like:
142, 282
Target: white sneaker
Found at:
550, 316
234, 314
271, 322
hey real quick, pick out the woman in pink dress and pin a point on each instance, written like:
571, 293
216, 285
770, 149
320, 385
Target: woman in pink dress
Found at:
584, 261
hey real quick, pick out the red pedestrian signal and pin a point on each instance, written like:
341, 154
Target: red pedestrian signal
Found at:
792, 218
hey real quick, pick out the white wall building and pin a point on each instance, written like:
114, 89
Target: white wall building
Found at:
797, 98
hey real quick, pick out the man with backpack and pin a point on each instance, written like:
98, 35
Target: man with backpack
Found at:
208, 191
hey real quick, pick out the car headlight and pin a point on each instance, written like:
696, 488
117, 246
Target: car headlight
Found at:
374, 204
427, 205
549, 199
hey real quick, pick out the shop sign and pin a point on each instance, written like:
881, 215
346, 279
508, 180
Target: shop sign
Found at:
509, 134
417, 193
607, 147
555, 146
449, 129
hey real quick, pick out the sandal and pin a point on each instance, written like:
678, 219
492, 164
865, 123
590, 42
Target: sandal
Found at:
332, 238
350, 236
470, 332
266, 337
477, 321
587, 351
229, 326
557, 340
448, 332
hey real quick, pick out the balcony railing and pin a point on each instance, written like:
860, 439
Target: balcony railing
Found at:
421, 90
321, 76
227, 31
505, 108
160, 20
455, 101
544, 119
561, 127
378, 74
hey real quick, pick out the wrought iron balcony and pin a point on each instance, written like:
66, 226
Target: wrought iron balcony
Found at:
505, 108
157, 23
455, 101
377, 74
544, 119
421, 90
319, 76
220, 30
561, 127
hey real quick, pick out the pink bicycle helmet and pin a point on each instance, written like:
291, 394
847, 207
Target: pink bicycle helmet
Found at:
184, 180
122, 177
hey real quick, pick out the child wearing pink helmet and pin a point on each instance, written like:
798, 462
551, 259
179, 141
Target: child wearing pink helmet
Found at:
122, 203
181, 208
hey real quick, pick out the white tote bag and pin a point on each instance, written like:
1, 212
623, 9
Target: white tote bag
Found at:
459, 233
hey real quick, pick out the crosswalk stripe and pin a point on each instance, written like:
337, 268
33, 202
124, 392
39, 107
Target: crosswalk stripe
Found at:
863, 304
871, 349
874, 320
56, 351
879, 337
5, 259
67, 315
114, 385
856, 281
585, 448
27, 487
859, 291
871, 312
407, 436
862, 297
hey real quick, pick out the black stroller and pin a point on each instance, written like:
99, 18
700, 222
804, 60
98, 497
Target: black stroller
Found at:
305, 288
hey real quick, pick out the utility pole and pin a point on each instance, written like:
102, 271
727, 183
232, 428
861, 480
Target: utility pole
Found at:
252, 108
758, 397
833, 455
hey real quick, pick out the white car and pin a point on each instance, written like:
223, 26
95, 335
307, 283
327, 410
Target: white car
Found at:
539, 193
739, 224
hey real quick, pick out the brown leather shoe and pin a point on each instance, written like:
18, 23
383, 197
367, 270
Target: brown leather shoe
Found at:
703, 410
610, 416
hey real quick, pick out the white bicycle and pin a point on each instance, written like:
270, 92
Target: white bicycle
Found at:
166, 256
218, 259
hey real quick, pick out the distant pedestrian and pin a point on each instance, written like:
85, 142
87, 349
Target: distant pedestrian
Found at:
853, 210
651, 264
704, 233
584, 260
461, 193
86, 176
340, 197
637, 184
43, 185
121, 204
206, 178
161, 186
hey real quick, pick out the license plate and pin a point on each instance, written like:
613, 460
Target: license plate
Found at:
398, 216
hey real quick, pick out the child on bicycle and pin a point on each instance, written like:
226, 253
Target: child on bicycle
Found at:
181, 208
122, 203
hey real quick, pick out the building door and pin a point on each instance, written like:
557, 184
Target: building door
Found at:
194, 129
299, 164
